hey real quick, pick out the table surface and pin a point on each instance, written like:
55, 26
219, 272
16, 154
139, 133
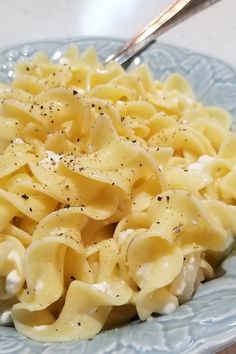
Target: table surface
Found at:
212, 32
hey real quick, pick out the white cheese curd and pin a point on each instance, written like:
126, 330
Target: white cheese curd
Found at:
124, 234
202, 163
18, 141
5, 317
196, 166
51, 162
14, 257
229, 241
40, 328
169, 308
180, 289
13, 281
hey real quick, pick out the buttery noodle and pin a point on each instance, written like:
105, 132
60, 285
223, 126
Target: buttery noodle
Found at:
117, 195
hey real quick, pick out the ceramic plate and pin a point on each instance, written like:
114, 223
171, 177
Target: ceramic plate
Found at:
207, 323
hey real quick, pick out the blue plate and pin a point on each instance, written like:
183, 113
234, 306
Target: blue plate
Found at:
207, 323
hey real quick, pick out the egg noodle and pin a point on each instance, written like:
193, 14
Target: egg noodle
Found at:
117, 195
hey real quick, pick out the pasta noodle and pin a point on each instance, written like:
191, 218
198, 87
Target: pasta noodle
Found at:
117, 195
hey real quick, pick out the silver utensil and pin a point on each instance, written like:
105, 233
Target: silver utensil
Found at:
179, 11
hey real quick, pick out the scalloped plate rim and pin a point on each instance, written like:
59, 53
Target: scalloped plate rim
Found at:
68, 40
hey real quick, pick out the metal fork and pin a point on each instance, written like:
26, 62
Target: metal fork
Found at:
179, 11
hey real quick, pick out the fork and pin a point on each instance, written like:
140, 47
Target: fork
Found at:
179, 11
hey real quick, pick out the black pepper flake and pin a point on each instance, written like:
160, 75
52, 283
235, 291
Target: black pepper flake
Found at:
75, 92
30, 209
167, 199
25, 196
159, 198
177, 228
72, 278
27, 68
93, 105
79, 324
